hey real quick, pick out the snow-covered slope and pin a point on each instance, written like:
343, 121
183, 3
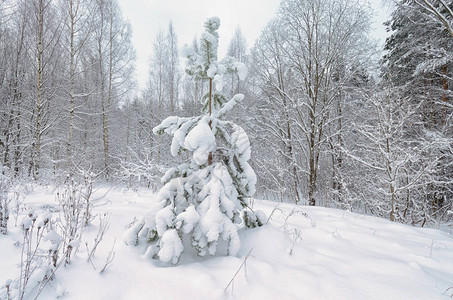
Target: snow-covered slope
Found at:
303, 253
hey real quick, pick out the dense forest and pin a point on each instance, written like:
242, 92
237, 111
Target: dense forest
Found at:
331, 121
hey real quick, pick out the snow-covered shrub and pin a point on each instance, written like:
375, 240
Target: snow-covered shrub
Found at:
50, 241
139, 169
39, 257
203, 198
86, 193
75, 212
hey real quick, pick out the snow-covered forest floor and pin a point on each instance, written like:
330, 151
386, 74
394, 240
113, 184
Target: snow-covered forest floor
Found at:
302, 253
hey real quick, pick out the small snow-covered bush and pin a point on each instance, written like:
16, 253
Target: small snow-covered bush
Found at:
75, 211
203, 198
39, 258
51, 237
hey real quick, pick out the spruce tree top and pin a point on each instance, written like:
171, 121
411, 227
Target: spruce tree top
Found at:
204, 65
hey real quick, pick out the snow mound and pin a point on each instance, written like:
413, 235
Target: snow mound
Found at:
201, 141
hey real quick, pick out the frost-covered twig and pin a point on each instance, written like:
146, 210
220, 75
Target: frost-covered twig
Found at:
431, 248
295, 234
95, 200
447, 290
8, 289
110, 258
276, 207
18, 200
89, 257
47, 279
104, 224
240, 267
86, 193
131, 223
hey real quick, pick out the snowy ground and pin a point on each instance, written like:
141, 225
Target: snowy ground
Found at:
303, 253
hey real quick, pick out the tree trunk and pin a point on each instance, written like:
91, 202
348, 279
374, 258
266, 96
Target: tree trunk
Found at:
103, 98
109, 97
392, 210
444, 95
71, 80
337, 158
210, 113
36, 156
312, 161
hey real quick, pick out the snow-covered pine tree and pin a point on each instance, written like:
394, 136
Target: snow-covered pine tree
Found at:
202, 199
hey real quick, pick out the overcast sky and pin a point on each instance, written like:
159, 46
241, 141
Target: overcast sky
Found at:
148, 16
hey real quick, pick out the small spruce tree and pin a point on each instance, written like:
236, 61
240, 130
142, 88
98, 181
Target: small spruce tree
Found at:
202, 199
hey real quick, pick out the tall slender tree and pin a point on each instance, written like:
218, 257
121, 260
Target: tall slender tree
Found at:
173, 68
78, 27
238, 50
115, 69
301, 56
46, 86
418, 64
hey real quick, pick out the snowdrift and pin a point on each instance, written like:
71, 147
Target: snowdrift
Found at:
302, 253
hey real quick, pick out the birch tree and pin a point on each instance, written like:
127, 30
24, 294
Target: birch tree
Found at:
13, 86
46, 63
78, 27
115, 69
237, 49
173, 73
274, 114
418, 63
311, 43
